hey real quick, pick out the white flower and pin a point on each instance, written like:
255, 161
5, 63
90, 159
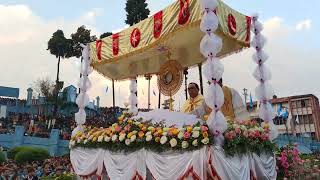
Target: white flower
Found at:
85, 141
133, 138
114, 138
150, 128
137, 123
100, 138
134, 132
182, 130
90, 137
148, 138
72, 143
107, 139
165, 129
127, 142
243, 127
195, 142
163, 139
180, 135
122, 137
184, 144
205, 141
173, 142
79, 140
195, 134
196, 128
148, 133
165, 133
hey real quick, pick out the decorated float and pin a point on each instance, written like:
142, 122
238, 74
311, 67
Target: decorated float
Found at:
162, 144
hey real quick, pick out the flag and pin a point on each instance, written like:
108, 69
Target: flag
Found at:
154, 93
297, 119
251, 102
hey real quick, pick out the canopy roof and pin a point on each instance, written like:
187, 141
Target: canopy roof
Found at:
172, 33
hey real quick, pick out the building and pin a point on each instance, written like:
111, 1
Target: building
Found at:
295, 115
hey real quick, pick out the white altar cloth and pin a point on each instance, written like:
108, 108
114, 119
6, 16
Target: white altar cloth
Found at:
172, 165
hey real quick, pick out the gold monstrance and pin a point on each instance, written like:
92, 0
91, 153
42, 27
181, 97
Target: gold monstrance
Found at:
170, 79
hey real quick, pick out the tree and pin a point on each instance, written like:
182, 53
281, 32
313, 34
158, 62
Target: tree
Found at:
82, 36
60, 46
136, 11
46, 88
106, 34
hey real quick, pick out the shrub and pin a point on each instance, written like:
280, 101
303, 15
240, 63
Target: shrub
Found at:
31, 154
12, 152
2, 157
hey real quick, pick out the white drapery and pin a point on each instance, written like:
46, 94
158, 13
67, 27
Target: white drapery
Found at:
172, 165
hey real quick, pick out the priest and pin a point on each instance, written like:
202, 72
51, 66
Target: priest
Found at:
233, 107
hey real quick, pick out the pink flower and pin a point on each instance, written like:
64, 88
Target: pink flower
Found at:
204, 128
245, 134
238, 130
257, 133
127, 127
186, 135
117, 128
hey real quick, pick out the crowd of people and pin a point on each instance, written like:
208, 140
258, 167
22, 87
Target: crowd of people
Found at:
41, 126
54, 166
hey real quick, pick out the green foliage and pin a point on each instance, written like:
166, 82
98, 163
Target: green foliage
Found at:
58, 45
31, 154
136, 11
12, 152
106, 34
82, 36
62, 177
2, 157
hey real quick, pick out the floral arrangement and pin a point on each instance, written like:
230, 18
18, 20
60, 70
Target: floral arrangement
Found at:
247, 137
292, 165
130, 134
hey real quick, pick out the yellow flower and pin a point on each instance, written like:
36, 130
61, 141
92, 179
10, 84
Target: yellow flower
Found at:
205, 134
144, 128
157, 139
129, 135
189, 129
121, 117
160, 131
130, 121
140, 126
175, 131
94, 139
165, 129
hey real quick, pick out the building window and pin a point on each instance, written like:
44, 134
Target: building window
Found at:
294, 104
298, 104
303, 103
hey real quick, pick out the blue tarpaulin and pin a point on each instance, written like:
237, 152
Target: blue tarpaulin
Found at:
9, 92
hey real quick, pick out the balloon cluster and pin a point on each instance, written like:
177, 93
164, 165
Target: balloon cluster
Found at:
133, 100
83, 98
210, 46
264, 91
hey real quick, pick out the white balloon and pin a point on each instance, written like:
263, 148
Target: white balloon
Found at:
133, 86
260, 55
209, 22
213, 69
210, 45
257, 27
214, 97
85, 52
264, 91
208, 4
82, 99
266, 112
217, 122
258, 41
85, 83
80, 116
262, 73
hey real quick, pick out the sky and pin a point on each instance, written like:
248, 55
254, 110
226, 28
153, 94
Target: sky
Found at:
291, 28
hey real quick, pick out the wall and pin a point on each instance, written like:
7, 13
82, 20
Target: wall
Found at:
53, 144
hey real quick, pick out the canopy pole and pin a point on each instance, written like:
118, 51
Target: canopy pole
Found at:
148, 77
200, 77
185, 72
159, 100
113, 98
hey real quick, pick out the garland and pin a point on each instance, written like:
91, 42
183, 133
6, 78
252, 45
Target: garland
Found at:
128, 135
